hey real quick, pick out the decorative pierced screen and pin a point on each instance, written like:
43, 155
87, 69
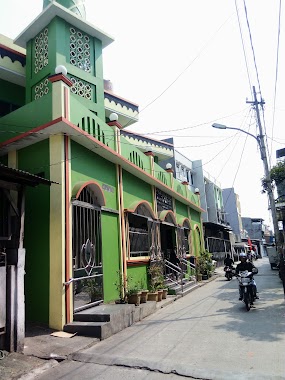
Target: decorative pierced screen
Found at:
135, 159
80, 50
41, 51
41, 89
180, 190
81, 88
162, 178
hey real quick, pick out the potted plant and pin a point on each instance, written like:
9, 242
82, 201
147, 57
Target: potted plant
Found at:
164, 293
120, 286
203, 265
156, 281
94, 290
144, 292
134, 296
152, 294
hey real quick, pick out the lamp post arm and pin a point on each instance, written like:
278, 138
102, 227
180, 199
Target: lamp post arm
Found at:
250, 134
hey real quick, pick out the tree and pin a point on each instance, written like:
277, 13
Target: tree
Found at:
277, 175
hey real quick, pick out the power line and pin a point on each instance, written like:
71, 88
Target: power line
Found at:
187, 67
251, 43
197, 125
276, 77
243, 47
238, 167
232, 151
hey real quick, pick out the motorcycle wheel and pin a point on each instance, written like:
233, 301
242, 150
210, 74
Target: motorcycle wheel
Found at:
246, 301
228, 277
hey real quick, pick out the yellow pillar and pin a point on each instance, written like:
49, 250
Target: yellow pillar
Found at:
57, 234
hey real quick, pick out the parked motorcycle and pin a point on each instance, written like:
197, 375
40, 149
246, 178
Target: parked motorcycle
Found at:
229, 272
246, 284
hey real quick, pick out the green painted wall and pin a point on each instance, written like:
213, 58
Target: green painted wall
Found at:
181, 211
111, 255
35, 159
12, 93
137, 277
86, 166
195, 216
135, 190
25, 118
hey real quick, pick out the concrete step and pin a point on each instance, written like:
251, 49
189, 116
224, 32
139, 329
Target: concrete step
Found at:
105, 320
177, 286
92, 315
188, 289
101, 330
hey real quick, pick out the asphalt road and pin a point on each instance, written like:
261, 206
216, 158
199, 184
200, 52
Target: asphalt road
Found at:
207, 334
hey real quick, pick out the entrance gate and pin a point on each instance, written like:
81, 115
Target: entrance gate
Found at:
87, 251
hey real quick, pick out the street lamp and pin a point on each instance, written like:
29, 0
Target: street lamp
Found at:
260, 141
221, 126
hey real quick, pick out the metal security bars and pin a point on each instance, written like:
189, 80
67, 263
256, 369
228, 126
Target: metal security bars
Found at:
87, 251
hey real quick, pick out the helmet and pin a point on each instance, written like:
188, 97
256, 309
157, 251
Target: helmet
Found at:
242, 254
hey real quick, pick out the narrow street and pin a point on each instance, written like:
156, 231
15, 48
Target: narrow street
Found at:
207, 334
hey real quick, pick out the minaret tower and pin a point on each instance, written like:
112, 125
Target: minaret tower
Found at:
60, 35
76, 6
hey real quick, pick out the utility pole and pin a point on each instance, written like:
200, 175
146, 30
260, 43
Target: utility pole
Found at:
263, 153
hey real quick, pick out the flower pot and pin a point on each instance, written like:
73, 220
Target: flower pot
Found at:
164, 293
159, 298
152, 296
144, 296
204, 277
199, 277
134, 298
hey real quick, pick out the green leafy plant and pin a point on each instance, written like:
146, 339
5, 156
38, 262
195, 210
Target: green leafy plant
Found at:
132, 288
94, 289
156, 279
277, 175
120, 286
204, 263
128, 289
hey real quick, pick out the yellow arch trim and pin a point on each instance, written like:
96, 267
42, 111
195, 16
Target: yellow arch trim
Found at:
164, 213
196, 236
95, 187
136, 204
183, 220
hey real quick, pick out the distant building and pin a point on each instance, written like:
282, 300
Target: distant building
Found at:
254, 227
256, 230
233, 212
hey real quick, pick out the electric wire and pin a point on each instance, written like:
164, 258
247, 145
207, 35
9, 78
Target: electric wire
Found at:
181, 73
238, 167
243, 48
196, 125
232, 151
251, 43
276, 77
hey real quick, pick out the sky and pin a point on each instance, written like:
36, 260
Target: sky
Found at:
188, 64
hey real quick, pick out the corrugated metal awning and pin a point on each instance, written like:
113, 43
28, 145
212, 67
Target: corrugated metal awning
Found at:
22, 177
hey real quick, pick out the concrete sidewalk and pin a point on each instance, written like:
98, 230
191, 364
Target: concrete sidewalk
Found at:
43, 351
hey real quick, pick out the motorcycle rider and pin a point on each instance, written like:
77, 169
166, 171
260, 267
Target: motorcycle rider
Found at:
228, 262
243, 266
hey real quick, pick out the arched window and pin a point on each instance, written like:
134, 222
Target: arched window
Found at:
141, 230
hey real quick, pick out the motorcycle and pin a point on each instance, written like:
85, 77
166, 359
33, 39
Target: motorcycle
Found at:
229, 272
247, 285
